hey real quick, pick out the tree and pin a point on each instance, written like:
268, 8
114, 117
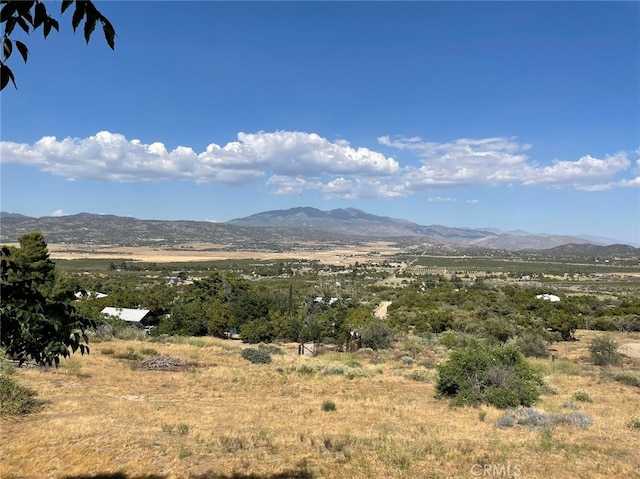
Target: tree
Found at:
30, 15
36, 323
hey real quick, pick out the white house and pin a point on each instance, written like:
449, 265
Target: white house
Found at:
127, 314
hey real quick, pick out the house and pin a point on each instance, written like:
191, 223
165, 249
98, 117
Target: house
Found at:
90, 295
132, 316
548, 297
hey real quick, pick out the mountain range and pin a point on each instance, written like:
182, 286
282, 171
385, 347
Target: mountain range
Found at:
273, 229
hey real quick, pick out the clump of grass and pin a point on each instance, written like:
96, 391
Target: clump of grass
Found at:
107, 351
634, 423
130, 355
184, 452
420, 375
328, 406
630, 378
168, 428
15, 399
183, 429
582, 396
270, 348
256, 356
482, 415
148, 352
71, 365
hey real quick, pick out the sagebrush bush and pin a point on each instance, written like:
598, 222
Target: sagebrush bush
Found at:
544, 421
256, 356
604, 351
483, 374
15, 399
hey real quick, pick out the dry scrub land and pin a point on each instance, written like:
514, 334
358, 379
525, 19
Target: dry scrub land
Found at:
223, 416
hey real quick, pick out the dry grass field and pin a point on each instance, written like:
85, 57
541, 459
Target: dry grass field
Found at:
224, 417
374, 251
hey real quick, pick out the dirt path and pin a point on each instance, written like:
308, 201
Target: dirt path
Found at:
381, 311
630, 349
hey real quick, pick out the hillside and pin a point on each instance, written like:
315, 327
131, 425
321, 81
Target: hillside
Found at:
279, 229
354, 221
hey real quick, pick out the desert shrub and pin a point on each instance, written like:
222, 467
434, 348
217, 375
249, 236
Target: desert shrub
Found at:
420, 375
505, 421
532, 345
15, 399
376, 335
580, 419
306, 368
604, 351
543, 421
582, 396
483, 374
328, 406
630, 378
256, 356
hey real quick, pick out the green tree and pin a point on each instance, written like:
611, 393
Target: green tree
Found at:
36, 326
30, 15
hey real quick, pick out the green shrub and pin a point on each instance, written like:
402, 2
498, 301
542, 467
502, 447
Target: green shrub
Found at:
483, 374
604, 351
420, 375
532, 345
16, 399
582, 396
256, 356
634, 423
630, 378
130, 355
328, 406
376, 335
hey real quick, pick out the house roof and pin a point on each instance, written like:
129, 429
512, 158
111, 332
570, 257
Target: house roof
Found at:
126, 314
90, 294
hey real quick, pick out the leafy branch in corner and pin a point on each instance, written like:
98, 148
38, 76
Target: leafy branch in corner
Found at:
30, 15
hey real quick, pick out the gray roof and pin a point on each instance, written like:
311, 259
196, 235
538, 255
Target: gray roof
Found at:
127, 314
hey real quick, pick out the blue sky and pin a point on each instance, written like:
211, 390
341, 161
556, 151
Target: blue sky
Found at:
514, 115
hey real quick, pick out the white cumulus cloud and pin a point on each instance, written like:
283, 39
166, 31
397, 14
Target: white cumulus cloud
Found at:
291, 162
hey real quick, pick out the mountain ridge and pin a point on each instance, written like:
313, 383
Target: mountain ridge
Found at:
276, 228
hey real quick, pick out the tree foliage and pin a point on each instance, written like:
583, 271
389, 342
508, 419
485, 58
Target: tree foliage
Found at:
38, 322
30, 15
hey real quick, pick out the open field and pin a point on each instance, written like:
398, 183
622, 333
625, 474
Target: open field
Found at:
225, 417
375, 251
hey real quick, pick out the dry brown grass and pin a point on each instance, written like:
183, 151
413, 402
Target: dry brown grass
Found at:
228, 416
374, 251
